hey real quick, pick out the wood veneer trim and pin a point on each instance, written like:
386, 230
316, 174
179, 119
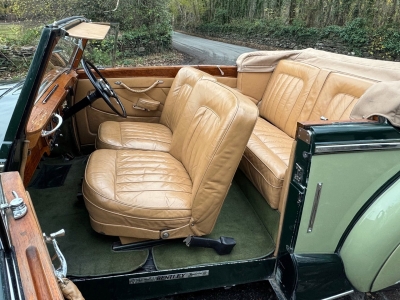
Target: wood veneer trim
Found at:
36, 268
34, 158
308, 124
162, 71
41, 113
30, 249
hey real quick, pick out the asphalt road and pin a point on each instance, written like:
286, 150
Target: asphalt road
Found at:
207, 52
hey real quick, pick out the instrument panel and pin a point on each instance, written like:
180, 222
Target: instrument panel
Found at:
46, 117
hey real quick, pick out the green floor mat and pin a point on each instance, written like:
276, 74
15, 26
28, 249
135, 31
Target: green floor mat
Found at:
238, 220
87, 252
50, 176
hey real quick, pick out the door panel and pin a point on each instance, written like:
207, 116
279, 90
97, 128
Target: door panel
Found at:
89, 119
35, 267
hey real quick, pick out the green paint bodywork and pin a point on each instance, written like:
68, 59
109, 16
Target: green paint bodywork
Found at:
373, 239
349, 180
389, 274
359, 178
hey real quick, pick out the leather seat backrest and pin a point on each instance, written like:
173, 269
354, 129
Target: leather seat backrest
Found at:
181, 88
209, 141
338, 96
286, 94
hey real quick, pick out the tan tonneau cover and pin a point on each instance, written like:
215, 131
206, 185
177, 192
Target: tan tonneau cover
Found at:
381, 99
266, 61
90, 31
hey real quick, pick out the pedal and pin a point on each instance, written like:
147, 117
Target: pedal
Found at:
79, 196
68, 156
222, 246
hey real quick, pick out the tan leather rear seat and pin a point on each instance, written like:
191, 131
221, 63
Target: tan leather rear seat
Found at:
137, 194
296, 92
152, 136
266, 157
338, 96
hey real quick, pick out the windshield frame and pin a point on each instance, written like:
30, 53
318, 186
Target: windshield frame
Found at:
54, 71
15, 133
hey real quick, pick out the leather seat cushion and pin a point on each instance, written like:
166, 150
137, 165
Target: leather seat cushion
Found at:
266, 160
136, 189
133, 135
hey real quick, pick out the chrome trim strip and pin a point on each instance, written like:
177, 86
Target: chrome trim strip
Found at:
2, 165
10, 284
50, 94
17, 278
169, 277
304, 135
339, 295
356, 147
48, 84
278, 291
315, 207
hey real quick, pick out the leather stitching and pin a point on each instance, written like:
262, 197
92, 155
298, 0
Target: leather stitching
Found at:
255, 168
264, 165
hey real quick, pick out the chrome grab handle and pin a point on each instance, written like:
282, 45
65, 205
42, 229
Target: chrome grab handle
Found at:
314, 207
61, 271
60, 120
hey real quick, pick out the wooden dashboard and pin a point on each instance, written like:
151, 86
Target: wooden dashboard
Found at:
41, 118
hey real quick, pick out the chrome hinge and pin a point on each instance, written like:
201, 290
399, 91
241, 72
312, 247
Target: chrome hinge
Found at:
16, 205
298, 174
304, 135
61, 271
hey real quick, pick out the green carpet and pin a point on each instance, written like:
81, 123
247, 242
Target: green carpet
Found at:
238, 220
87, 252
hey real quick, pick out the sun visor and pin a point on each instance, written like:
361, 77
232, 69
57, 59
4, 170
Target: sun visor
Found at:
90, 31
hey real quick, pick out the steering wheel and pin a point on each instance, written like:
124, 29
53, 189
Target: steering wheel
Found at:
103, 88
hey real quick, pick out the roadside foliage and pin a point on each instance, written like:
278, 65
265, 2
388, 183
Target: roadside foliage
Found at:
361, 27
142, 27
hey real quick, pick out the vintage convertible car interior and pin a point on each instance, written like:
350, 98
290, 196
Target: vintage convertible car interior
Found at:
204, 173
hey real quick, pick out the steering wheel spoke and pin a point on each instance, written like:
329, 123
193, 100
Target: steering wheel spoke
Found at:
103, 88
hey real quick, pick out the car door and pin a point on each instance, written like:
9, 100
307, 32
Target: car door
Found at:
26, 268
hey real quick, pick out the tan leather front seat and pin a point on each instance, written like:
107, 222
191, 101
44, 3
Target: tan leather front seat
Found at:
136, 194
152, 136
